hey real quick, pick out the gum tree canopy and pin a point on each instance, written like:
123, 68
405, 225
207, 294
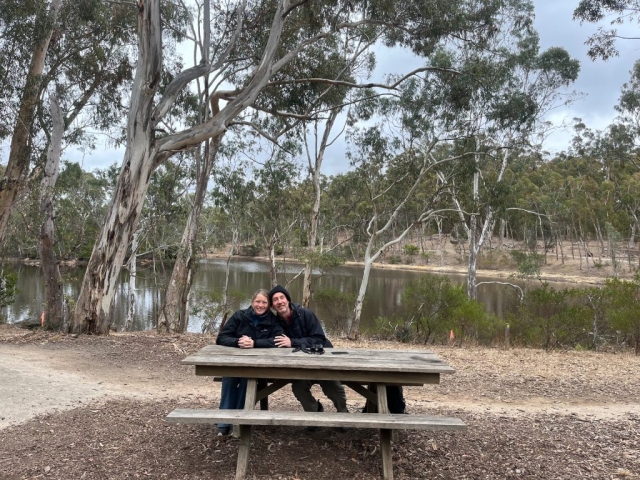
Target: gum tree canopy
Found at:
252, 42
602, 44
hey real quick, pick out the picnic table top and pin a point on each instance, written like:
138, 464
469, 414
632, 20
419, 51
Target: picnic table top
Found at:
334, 359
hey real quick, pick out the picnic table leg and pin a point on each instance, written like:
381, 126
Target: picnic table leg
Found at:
385, 435
245, 431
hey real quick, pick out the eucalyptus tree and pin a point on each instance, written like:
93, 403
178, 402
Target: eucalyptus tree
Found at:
390, 174
602, 44
503, 92
32, 24
53, 280
82, 46
256, 40
273, 211
174, 205
78, 51
233, 193
624, 134
173, 315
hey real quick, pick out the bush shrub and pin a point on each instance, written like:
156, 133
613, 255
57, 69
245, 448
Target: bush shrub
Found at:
411, 250
338, 305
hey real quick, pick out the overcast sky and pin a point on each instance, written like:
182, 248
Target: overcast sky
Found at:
599, 82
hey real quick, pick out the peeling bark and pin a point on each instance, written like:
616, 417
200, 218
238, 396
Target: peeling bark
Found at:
133, 272
144, 153
93, 308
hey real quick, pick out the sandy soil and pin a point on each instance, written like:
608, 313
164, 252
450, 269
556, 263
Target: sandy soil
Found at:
93, 408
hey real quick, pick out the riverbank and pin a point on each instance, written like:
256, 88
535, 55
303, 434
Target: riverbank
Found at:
93, 408
555, 270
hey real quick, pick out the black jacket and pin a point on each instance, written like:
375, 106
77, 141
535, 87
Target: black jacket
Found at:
304, 329
241, 324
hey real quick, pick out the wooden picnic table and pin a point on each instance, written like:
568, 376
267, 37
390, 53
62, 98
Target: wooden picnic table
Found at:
367, 372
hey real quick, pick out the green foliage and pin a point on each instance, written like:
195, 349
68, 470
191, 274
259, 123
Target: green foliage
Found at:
395, 259
431, 308
579, 318
8, 290
323, 262
551, 319
623, 301
337, 303
602, 43
248, 250
212, 309
528, 263
411, 250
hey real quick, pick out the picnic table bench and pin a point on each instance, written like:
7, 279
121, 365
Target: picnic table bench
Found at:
367, 372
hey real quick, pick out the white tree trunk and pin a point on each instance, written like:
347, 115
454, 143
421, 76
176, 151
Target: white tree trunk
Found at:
315, 169
133, 272
93, 308
273, 271
48, 258
174, 316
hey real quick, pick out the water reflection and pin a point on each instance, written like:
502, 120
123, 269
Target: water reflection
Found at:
383, 295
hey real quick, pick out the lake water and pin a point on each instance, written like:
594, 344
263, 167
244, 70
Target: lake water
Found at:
383, 294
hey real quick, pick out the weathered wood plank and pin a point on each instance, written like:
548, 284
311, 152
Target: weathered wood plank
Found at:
351, 359
314, 419
295, 373
365, 392
245, 430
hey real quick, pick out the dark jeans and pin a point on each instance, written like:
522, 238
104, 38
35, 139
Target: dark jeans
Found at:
234, 391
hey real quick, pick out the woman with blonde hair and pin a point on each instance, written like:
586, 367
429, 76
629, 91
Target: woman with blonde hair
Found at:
253, 327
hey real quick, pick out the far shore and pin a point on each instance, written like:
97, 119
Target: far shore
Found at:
554, 271
595, 277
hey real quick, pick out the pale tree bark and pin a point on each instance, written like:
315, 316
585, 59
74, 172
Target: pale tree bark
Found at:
174, 316
54, 318
315, 167
273, 269
476, 241
369, 260
12, 182
92, 313
144, 153
133, 272
374, 233
225, 292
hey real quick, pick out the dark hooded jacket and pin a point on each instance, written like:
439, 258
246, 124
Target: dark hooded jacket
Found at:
304, 329
241, 323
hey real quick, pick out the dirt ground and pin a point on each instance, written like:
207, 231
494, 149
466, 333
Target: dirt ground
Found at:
93, 408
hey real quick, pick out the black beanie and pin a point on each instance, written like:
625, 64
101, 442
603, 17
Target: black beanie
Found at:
279, 289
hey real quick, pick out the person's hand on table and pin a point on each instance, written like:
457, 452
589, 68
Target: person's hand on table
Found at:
282, 341
245, 342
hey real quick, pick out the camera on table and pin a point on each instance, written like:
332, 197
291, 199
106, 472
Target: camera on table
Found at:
316, 348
